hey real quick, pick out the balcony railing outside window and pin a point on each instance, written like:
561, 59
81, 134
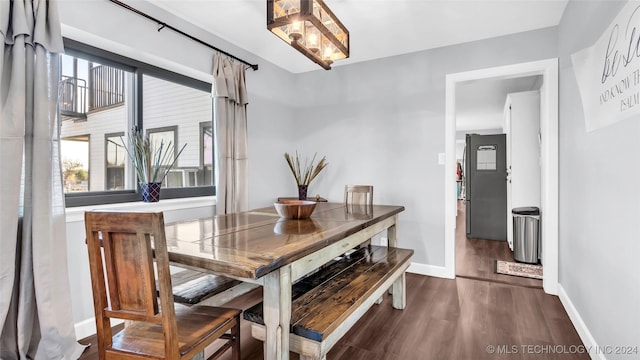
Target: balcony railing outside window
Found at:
73, 96
106, 89
107, 86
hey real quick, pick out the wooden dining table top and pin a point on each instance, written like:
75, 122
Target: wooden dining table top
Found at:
249, 245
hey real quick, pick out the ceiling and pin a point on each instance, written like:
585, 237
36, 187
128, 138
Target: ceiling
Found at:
378, 28
480, 103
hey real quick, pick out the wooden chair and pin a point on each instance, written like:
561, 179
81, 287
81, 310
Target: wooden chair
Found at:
153, 331
359, 199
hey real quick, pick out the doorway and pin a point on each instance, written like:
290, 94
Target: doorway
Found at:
549, 159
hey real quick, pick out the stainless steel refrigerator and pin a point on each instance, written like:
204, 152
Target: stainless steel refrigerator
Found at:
486, 186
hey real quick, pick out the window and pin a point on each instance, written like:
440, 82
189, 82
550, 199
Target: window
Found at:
75, 163
104, 95
115, 160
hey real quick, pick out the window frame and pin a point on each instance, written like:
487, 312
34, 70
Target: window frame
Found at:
138, 68
174, 141
203, 125
172, 128
120, 134
88, 156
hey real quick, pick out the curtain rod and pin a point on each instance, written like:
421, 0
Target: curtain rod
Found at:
165, 25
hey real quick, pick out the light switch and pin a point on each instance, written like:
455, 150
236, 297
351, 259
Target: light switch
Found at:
441, 158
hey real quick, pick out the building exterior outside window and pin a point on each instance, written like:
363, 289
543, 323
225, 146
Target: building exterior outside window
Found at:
102, 99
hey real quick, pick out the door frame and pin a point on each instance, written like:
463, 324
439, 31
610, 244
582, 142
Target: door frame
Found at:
549, 160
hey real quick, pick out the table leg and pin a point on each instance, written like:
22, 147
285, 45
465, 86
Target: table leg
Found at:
277, 313
285, 309
392, 233
400, 292
392, 238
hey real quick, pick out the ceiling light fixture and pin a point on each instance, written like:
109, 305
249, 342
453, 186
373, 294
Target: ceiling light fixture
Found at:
310, 27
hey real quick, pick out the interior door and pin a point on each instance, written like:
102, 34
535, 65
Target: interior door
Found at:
486, 200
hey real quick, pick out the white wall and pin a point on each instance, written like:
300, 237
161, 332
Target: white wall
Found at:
599, 197
382, 123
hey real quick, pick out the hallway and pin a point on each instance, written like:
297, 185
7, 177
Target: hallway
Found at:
475, 258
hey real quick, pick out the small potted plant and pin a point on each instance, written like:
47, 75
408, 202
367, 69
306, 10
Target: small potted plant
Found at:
304, 174
152, 162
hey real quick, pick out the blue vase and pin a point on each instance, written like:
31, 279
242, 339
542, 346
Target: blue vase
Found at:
302, 192
150, 191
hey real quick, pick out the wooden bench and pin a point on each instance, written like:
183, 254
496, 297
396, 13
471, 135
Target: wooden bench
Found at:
326, 304
192, 287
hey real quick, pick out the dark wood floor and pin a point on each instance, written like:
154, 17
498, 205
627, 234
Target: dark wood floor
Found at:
447, 319
475, 258
450, 319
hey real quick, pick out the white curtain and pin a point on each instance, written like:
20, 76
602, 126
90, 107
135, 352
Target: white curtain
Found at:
230, 118
35, 305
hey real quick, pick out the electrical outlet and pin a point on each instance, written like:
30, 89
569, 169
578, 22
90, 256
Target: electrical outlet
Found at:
384, 241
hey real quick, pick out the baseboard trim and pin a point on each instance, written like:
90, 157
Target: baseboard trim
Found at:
86, 328
430, 270
583, 331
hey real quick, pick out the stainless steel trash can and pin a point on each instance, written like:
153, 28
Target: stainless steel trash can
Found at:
526, 234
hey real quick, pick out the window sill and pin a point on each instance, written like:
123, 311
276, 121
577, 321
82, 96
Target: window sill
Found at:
76, 214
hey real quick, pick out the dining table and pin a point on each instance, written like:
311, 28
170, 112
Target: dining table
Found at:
260, 247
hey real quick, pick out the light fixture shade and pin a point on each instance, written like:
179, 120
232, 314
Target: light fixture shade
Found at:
310, 27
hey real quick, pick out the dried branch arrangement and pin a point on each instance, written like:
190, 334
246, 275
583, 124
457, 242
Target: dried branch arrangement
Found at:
152, 165
305, 173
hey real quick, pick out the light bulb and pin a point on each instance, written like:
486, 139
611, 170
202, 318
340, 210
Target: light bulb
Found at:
313, 42
328, 54
296, 31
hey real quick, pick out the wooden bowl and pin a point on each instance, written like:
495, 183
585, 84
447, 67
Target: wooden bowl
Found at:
295, 209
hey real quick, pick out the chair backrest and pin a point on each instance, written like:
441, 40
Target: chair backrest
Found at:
358, 201
127, 267
358, 195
